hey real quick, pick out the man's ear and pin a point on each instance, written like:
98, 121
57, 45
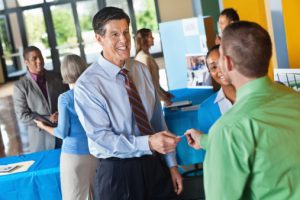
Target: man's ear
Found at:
99, 38
26, 62
229, 63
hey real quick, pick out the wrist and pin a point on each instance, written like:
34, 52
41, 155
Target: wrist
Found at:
149, 142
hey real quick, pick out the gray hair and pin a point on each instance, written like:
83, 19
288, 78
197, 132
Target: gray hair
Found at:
71, 68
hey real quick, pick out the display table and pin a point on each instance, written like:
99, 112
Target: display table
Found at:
180, 119
41, 181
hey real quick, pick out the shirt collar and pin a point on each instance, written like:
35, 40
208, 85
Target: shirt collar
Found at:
255, 86
111, 69
220, 96
35, 76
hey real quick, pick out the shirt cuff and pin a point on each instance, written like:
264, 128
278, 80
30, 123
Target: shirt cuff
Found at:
142, 143
171, 159
203, 141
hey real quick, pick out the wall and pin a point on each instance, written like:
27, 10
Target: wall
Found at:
252, 10
291, 15
211, 8
275, 12
175, 9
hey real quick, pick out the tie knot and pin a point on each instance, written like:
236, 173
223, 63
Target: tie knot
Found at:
124, 72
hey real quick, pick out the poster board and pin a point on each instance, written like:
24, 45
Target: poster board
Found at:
181, 39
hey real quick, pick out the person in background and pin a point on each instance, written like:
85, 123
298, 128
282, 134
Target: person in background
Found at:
143, 42
218, 103
119, 109
227, 16
37, 92
252, 151
77, 165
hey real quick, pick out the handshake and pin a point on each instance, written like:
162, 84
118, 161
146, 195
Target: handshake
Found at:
165, 142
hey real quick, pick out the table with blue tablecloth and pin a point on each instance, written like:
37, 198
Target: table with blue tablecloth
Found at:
41, 181
180, 119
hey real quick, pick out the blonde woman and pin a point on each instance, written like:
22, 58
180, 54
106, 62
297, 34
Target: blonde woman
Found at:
143, 42
77, 166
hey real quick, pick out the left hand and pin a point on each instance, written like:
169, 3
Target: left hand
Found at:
39, 124
176, 179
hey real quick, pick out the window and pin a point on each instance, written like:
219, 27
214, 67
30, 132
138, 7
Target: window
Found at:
145, 15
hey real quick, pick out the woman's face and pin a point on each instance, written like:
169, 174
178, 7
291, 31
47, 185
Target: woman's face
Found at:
214, 69
150, 40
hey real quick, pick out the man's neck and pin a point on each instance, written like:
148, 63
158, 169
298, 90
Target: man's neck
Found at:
119, 63
229, 92
238, 79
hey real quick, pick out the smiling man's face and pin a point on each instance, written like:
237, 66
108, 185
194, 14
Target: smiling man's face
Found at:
115, 41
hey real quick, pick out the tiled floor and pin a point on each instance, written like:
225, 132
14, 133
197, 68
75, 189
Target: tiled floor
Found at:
6, 89
14, 140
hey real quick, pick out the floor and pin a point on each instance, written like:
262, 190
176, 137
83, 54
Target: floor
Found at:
13, 140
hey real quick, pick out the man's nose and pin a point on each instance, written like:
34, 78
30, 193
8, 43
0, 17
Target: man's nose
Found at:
123, 38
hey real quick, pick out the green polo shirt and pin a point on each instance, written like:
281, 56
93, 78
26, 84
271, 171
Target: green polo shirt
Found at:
253, 150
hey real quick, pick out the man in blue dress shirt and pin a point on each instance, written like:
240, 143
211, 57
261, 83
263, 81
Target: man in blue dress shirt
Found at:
131, 163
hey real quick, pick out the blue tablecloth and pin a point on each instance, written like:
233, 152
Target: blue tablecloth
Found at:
178, 121
40, 182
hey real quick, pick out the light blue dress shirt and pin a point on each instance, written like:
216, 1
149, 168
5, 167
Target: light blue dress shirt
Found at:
69, 128
103, 107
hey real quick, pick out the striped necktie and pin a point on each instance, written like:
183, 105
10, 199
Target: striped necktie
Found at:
136, 105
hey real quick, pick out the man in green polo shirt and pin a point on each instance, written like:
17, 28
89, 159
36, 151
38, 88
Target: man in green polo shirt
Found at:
253, 150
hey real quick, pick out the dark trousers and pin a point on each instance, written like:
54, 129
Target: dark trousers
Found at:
144, 178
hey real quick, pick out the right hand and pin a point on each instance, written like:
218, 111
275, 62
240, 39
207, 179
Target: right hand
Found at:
163, 142
193, 138
54, 117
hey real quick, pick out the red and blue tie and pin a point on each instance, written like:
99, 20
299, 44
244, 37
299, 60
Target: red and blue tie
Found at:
136, 104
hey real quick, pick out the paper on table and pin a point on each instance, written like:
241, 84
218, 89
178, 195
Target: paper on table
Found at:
179, 104
18, 167
7, 168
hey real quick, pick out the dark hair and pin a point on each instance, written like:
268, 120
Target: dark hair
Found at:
215, 84
231, 14
29, 49
249, 46
71, 68
140, 39
214, 48
106, 14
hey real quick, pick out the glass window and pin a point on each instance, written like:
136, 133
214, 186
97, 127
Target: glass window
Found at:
17, 66
145, 15
91, 47
65, 30
1, 5
36, 33
6, 43
29, 3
